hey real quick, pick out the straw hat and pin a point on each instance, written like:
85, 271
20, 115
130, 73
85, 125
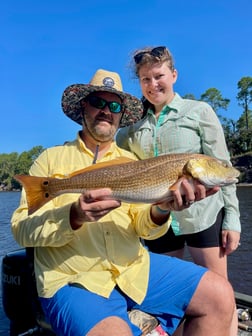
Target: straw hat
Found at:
103, 80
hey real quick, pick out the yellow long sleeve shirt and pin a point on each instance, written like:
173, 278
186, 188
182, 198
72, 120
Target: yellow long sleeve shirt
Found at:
99, 255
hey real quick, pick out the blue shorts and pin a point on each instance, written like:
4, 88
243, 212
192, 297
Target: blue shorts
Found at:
73, 310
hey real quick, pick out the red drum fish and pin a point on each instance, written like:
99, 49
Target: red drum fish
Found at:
144, 181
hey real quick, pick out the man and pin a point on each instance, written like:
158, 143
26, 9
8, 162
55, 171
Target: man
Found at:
90, 265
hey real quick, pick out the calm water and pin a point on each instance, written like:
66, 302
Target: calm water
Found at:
240, 270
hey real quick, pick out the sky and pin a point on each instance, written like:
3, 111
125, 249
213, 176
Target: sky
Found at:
48, 45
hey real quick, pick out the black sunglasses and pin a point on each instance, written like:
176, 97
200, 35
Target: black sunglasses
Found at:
101, 103
157, 52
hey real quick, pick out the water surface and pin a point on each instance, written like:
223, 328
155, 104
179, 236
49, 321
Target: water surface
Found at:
240, 270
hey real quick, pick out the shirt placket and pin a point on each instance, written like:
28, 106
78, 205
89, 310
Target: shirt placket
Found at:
157, 141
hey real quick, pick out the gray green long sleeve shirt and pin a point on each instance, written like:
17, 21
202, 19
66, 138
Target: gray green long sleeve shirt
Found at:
186, 126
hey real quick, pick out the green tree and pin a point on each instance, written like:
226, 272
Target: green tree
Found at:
244, 126
231, 135
8, 163
35, 152
13, 163
244, 123
244, 96
214, 98
26, 159
189, 96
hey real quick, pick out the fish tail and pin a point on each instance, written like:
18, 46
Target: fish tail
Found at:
36, 191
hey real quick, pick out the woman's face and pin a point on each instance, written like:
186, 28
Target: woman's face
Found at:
156, 82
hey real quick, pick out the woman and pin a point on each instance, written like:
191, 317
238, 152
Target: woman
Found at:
171, 124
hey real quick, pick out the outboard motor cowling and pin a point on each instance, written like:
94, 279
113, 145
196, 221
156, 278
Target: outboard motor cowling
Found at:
18, 290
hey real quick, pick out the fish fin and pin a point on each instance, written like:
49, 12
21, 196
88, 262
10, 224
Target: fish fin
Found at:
36, 191
99, 165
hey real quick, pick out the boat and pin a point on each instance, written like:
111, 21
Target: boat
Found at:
22, 307
244, 312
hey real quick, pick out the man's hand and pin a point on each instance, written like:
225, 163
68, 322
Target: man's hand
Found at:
91, 206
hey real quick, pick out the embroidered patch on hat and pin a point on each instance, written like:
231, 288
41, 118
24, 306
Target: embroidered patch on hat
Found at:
108, 81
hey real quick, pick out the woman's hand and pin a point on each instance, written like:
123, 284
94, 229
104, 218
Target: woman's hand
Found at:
230, 241
189, 191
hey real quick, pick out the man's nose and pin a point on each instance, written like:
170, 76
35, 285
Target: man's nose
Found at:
106, 109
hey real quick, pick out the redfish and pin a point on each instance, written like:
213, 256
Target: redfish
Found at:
144, 181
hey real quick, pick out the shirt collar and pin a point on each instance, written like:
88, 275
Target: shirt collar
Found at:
176, 102
83, 148
174, 105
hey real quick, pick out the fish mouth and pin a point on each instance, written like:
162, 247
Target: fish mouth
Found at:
235, 180
231, 180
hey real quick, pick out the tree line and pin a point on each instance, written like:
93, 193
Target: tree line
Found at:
238, 133
14, 164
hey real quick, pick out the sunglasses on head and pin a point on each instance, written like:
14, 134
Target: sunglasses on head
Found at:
157, 52
101, 103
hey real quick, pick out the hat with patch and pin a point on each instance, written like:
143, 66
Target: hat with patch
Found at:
103, 80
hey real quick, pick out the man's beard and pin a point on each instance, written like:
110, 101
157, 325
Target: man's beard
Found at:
97, 132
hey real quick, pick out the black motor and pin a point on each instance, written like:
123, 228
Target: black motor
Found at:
19, 294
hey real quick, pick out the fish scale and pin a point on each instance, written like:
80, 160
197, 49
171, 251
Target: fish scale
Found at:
144, 181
